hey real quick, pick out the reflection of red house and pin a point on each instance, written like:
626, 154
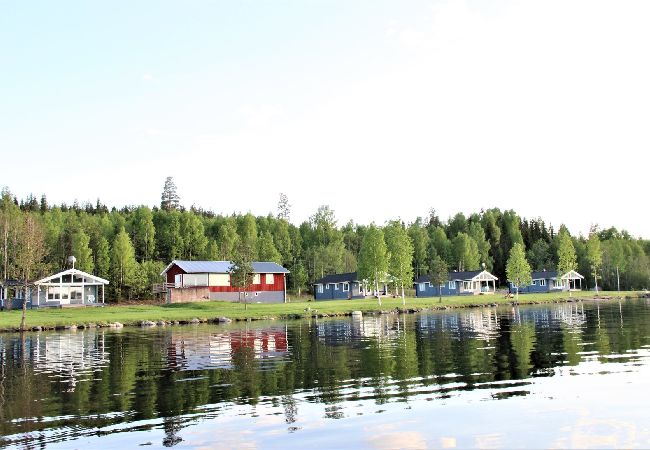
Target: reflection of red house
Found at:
188, 351
266, 341
188, 281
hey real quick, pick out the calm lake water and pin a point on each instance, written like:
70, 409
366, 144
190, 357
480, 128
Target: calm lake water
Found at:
555, 376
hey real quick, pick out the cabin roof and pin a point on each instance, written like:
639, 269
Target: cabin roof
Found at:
90, 279
349, 277
461, 276
223, 267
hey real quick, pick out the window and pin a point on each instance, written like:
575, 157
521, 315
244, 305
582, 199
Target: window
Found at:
346, 287
269, 278
422, 287
542, 282
336, 286
256, 278
534, 283
452, 285
319, 288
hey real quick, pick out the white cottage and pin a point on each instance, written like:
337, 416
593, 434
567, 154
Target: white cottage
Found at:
68, 288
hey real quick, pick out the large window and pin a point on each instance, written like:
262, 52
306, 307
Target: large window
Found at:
269, 278
542, 282
422, 287
256, 278
346, 287
319, 288
451, 285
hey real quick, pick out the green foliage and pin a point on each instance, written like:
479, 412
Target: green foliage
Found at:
517, 268
594, 256
80, 248
102, 258
465, 252
373, 257
123, 264
400, 250
566, 254
267, 251
438, 273
241, 270
143, 233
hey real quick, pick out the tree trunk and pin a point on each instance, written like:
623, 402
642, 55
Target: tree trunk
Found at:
517, 294
618, 280
22, 320
596, 282
403, 299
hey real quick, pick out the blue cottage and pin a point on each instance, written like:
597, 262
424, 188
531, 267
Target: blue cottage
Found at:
343, 286
476, 282
548, 281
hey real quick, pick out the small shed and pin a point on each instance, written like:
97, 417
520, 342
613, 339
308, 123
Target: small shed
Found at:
71, 287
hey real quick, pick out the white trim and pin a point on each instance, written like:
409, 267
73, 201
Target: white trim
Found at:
319, 288
451, 284
346, 287
542, 282
47, 280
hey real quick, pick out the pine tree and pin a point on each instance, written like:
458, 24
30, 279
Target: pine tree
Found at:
169, 200
284, 208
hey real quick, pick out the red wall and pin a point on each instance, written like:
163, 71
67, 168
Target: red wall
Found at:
173, 271
278, 285
278, 282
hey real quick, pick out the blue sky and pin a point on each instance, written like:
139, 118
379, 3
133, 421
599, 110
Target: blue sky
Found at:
379, 109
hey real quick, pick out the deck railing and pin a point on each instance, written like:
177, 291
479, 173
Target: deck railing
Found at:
161, 288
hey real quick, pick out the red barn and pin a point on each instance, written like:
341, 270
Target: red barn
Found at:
189, 281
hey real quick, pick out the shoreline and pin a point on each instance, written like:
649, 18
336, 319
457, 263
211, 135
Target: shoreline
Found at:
118, 316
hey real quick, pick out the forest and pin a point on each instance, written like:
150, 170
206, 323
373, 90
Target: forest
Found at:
131, 246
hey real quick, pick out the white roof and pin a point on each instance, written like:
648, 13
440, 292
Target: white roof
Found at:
89, 279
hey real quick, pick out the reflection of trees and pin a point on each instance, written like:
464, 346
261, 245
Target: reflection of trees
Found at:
522, 339
379, 358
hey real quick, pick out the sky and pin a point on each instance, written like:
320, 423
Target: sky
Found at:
379, 109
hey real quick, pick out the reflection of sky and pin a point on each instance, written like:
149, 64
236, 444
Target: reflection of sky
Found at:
575, 408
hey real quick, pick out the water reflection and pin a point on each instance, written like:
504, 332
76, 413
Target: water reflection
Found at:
299, 377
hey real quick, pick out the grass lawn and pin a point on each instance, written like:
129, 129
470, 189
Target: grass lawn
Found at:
134, 314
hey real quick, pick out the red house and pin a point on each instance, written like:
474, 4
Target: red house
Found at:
189, 281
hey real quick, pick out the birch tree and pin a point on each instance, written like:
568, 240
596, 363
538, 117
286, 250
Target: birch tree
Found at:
566, 255
30, 255
400, 249
517, 268
373, 258
594, 256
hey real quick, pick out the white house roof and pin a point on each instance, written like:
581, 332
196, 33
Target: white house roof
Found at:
572, 275
223, 267
87, 278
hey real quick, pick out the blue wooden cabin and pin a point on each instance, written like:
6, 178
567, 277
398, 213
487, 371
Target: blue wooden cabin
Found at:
458, 283
548, 281
343, 286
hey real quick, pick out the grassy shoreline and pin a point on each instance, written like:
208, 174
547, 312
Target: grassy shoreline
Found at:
134, 315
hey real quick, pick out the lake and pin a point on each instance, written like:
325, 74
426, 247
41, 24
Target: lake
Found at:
552, 376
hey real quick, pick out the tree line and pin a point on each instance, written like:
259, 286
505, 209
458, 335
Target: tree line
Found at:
131, 246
